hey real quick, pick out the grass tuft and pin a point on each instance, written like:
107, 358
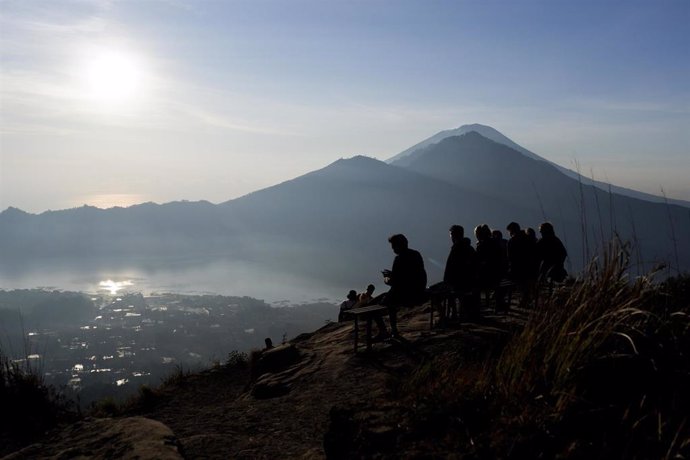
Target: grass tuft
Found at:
600, 369
29, 407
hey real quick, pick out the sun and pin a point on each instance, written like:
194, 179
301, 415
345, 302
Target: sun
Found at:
113, 76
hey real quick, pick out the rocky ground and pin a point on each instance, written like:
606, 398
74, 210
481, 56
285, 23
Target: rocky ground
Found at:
300, 400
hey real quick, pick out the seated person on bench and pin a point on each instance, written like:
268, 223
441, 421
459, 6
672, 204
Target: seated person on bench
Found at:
348, 304
407, 280
364, 298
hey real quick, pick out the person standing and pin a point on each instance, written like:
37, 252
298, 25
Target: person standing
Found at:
551, 254
460, 263
521, 266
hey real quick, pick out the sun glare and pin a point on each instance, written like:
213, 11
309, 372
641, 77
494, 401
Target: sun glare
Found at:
113, 76
114, 286
109, 200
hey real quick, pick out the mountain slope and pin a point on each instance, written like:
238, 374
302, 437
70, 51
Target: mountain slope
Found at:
343, 214
474, 162
405, 157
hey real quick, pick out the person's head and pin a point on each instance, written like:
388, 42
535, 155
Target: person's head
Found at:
370, 289
513, 228
546, 229
398, 243
352, 295
529, 231
497, 234
482, 232
268, 342
457, 233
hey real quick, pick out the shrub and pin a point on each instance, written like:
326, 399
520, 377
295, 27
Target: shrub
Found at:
601, 369
237, 359
29, 406
611, 360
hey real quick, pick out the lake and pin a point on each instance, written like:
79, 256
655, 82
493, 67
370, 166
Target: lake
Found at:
218, 277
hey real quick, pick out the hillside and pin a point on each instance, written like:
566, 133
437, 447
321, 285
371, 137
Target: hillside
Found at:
530, 384
287, 411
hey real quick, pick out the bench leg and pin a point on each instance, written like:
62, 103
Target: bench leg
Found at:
369, 334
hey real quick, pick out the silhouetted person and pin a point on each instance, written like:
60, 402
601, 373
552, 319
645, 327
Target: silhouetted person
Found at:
497, 235
521, 256
365, 297
531, 234
534, 257
489, 258
551, 254
459, 270
517, 250
407, 279
347, 304
269, 343
460, 266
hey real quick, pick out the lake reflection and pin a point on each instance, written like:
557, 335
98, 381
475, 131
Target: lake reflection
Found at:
114, 286
220, 277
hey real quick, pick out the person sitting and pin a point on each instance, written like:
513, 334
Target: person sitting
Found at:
551, 254
365, 297
407, 280
347, 304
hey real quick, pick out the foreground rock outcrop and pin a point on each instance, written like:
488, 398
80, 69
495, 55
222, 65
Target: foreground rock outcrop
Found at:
125, 438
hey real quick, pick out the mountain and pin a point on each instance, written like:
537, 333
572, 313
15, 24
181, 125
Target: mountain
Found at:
408, 155
331, 225
504, 174
404, 157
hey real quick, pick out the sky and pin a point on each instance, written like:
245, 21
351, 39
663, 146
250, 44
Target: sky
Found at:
113, 103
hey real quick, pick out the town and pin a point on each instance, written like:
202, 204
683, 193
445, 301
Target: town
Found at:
92, 347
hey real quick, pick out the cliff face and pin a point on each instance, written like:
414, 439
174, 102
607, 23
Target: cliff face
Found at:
297, 400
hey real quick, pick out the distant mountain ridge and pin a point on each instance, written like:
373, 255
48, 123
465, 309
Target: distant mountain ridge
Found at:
403, 158
332, 224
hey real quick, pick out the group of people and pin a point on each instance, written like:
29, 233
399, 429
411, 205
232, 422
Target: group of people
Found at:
354, 300
522, 259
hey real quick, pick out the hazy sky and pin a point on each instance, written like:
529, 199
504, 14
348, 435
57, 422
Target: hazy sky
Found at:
118, 102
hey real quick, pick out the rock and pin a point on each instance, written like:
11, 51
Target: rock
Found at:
124, 438
276, 359
270, 386
360, 430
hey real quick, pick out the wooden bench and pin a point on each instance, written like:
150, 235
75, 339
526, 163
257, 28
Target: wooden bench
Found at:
440, 297
444, 298
367, 313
